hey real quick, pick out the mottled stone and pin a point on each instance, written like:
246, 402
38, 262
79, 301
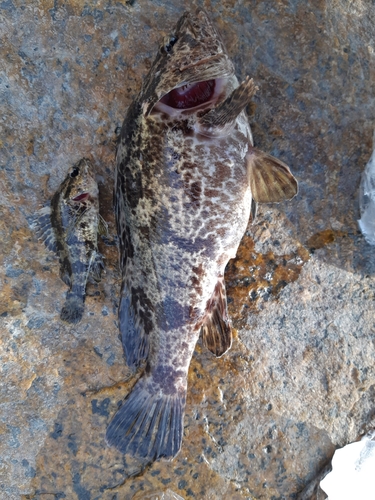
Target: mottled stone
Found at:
262, 421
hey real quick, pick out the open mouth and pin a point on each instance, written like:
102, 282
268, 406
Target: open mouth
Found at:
190, 95
81, 197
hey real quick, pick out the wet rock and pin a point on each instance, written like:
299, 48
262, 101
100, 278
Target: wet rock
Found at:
299, 381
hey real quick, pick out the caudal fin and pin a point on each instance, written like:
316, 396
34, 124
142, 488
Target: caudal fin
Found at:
73, 308
149, 424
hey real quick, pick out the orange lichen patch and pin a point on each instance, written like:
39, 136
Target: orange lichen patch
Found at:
207, 374
252, 277
323, 238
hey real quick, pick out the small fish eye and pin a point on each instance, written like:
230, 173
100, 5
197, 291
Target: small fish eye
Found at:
74, 172
168, 43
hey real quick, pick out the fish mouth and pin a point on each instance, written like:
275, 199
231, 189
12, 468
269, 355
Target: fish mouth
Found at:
81, 198
192, 96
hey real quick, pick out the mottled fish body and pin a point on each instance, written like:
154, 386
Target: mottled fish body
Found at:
69, 226
187, 176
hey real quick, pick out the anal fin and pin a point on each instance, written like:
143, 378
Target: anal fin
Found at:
216, 329
149, 424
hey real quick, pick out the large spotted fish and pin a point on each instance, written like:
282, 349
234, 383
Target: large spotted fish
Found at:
187, 176
69, 226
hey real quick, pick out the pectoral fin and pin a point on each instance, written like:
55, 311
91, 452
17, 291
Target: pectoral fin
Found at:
270, 179
216, 329
228, 110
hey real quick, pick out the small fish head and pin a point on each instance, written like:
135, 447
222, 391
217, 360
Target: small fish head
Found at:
80, 185
193, 54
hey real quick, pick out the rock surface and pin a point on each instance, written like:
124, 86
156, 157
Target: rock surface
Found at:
300, 379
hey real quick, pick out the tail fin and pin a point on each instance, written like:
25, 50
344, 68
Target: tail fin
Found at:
149, 424
73, 308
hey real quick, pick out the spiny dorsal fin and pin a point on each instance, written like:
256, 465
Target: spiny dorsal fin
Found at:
270, 179
216, 329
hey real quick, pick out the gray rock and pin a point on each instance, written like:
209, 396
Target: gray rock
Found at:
299, 381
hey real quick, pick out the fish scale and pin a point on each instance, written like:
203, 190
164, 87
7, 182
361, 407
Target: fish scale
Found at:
187, 178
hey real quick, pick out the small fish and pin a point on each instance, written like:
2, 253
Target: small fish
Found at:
187, 180
69, 226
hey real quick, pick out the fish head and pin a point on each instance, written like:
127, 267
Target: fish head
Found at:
80, 185
192, 68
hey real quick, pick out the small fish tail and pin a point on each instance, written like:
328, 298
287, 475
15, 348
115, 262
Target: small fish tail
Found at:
73, 308
149, 424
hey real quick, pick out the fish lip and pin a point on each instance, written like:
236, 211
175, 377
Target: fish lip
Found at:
220, 84
81, 198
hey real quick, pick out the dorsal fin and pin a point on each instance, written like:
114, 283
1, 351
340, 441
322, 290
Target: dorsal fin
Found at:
216, 329
132, 316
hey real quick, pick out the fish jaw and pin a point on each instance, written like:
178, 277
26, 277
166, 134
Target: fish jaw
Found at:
198, 54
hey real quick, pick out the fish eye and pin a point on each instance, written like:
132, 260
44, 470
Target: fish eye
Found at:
74, 172
168, 43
